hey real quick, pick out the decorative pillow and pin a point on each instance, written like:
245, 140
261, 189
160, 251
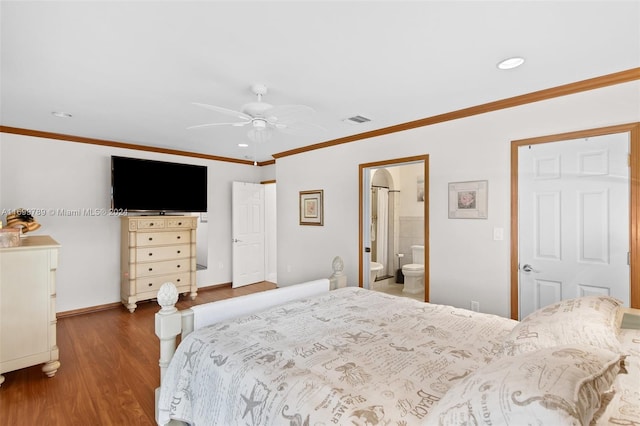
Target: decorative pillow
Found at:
587, 320
552, 386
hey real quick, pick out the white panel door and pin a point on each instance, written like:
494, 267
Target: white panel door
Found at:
248, 233
573, 220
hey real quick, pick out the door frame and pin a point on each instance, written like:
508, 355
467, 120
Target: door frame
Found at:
362, 169
634, 203
271, 234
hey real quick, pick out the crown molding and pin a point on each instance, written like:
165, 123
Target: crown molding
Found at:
554, 92
541, 95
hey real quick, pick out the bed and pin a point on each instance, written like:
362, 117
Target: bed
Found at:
307, 355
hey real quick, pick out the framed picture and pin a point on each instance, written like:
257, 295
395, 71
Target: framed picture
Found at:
311, 208
468, 200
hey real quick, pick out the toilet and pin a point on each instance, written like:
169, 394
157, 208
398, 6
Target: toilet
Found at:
414, 272
374, 268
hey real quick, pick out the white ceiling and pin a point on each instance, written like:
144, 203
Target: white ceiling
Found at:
128, 71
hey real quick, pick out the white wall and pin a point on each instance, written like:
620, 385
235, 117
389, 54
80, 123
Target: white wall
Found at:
466, 264
50, 174
409, 204
268, 173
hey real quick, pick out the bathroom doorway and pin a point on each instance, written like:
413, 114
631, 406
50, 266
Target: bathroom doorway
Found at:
394, 207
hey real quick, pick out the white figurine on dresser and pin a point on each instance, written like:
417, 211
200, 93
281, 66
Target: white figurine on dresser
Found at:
154, 250
28, 305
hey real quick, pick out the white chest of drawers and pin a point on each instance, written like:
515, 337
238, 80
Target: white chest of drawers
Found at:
155, 250
28, 305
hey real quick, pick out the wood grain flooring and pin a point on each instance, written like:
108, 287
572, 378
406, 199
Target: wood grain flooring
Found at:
109, 369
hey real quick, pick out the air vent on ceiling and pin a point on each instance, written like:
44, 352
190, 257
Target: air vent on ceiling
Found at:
357, 119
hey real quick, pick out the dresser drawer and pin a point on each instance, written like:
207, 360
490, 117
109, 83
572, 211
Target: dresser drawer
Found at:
161, 268
150, 254
182, 222
162, 238
154, 283
149, 224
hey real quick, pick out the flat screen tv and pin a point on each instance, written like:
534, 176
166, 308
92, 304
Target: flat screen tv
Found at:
161, 187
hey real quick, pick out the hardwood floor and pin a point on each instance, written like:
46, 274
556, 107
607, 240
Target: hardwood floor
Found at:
109, 369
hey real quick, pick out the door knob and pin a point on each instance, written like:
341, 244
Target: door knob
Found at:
235, 240
527, 268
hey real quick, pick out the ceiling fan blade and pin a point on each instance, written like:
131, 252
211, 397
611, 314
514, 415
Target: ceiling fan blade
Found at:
226, 111
288, 113
236, 124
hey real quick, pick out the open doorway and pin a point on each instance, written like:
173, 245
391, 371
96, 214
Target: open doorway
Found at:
394, 206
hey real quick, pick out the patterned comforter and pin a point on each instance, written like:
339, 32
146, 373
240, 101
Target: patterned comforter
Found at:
623, 408
351, 356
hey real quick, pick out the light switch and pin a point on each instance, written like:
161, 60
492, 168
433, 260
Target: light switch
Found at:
498, 234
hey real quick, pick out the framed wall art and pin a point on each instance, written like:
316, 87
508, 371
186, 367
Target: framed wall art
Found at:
468, 200
311, 208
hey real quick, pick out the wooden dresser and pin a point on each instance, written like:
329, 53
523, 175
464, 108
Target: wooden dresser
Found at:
28, 305
155, 250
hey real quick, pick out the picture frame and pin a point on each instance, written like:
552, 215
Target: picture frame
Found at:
468, 200
311, 207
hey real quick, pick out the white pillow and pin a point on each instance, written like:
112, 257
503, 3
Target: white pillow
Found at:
552, 386
586, 320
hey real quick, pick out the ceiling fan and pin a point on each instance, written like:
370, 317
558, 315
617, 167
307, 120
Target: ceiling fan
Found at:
262, 118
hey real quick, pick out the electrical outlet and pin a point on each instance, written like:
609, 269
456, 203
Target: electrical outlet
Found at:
475, 306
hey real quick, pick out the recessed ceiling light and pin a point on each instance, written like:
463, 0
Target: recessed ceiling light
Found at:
61, 114
511, 63
243, 145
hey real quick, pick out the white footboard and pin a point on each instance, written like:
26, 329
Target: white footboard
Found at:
169, 322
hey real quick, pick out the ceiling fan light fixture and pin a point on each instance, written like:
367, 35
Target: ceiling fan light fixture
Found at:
510, 63
243, 145
259, 135
259, 123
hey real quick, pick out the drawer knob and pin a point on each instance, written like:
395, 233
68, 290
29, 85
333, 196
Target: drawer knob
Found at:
178, 280
179, 252
150, 284
179, 223
150, 269
151, 224
178, 237
150, 238
178, 266
150, 254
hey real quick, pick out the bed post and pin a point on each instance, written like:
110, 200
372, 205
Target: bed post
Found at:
338, 279
168, 324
